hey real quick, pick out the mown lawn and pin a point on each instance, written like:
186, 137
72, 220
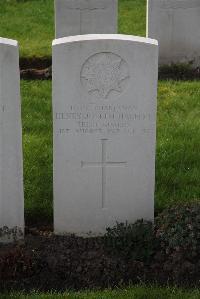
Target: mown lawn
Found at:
129, 293
32, 23
37, 138
178, 144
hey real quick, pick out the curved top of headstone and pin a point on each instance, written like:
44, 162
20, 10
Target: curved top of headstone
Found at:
88, 37
9, 42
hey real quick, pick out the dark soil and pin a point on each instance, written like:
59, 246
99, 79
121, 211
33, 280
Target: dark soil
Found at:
179, 72
35, 63
40, 68
36, 68
36, 74
45, 262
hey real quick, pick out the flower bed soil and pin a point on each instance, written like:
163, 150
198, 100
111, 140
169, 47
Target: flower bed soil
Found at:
40, 68
45, 262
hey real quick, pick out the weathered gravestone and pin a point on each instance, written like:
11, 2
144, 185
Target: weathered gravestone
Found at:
176, 26
104, 103
11, 182
73, 17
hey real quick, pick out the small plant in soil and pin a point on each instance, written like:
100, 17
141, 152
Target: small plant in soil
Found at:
132, 241
178, 228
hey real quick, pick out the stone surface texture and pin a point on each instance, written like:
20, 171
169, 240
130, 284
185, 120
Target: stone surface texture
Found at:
176, 26
74, 17
104, 111
11, 176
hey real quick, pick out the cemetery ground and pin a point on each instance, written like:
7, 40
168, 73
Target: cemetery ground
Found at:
171, 255
128, 254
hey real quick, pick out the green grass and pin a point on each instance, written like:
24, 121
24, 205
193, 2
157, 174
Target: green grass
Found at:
178, 143
32, 23
132, 17
129, 293
37, 139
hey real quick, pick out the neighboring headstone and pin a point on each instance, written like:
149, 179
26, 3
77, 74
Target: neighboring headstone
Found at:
176, 26
104, 111
11, 178
74, 17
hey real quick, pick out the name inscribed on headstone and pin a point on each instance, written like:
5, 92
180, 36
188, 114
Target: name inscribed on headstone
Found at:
93, 118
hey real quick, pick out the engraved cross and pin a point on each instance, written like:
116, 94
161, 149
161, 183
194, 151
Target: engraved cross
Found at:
85, 6
103, 164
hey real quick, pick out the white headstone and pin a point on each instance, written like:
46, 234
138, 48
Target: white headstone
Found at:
176, 26
74, 17
104, 111
11, 181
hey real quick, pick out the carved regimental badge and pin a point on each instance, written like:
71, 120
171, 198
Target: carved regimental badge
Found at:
104, 74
